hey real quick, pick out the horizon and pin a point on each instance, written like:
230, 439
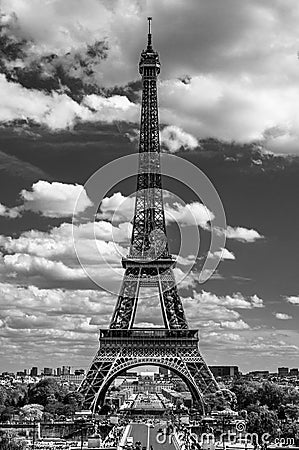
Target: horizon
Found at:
71, 104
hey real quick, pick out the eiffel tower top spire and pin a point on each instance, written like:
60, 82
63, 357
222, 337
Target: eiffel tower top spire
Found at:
149, 65
149, 36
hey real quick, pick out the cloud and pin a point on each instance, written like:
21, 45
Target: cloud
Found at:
175, 139
237, 325
294, 300
237, 300
32, 266
208, 310
240, 110
117, 107
121, 208
50, 258
117, 208
235, 89
282, 316
57, 110
223, 254
55, 27
185, 261
192, 214
47, 323
55, 199
11, 213
242, 234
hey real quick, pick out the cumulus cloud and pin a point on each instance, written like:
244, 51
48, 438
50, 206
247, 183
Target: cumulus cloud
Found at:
43, 322
223, 254
59, 111
282, 316
55, 199
175, 139
240, 109
293, 299
11, 213
243, 234
117, 208
38, 266
235, 90
207, 310
237, 325
237, 300
192, 214
121, 208
50, 258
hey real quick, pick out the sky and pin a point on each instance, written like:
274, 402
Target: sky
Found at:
70, 105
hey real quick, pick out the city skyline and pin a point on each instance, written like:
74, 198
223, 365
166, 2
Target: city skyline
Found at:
72, 104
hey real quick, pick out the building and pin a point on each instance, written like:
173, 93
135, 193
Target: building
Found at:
177, 398
66, 370
283, 371
72, 378
58, 371
48, 371
225, 371
20, 373
294, 372
260, 373
34, 372
163, 371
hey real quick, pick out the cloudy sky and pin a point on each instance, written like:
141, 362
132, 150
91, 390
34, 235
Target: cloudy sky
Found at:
70, 103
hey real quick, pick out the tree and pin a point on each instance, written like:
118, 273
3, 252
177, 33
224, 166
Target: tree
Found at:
180, 386
213, 402
262, 420
46, 391
271, 395
58, 409
8, 412
3, 395
10, 443
220, 400
246, 393
32, 412
291, 411
75, 400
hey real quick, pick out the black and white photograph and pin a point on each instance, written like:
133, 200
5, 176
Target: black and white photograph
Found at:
149, 224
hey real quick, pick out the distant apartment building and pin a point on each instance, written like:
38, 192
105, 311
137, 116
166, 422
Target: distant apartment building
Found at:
259, 373
66, 370
225, 371
177, 397
283, 371
48, 371
72, 378
34, 371
294, 372
20, 373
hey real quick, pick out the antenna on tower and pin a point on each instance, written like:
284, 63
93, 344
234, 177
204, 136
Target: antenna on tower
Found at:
149, 36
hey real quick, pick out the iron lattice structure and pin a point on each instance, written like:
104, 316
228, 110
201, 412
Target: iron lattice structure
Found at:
148, 264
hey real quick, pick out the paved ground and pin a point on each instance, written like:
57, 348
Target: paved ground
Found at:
147, 402
148, 437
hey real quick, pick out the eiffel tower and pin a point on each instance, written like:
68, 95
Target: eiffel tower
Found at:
149, 264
